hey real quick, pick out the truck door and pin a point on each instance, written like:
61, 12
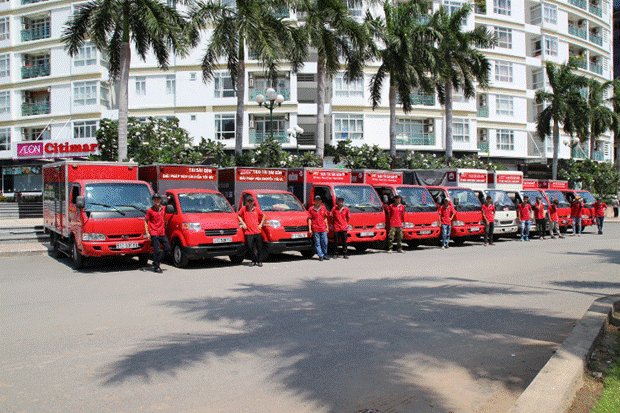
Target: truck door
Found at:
326, 195
74, 214
386, 194
172, 211
438, 195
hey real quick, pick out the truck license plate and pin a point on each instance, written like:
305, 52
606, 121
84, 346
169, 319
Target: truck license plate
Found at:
367, 234
425, 232
222, 240
299, 235
474, 229
125, 245
564, 222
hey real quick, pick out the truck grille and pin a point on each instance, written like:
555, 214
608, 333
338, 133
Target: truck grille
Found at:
368, 227
124, 236
299, 228
220, 232
505, 222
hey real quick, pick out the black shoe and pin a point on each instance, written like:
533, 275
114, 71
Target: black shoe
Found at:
157, 270
335, 257
252, 264
320, 258
346, 257
326, 258
260, 264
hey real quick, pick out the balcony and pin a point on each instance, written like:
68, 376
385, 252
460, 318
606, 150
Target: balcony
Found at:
418, 139
37, 33
419, 99
596, 10
31, 1
582, 4
35, 108
581, 63
255, 92
29, 72
599, 156
579, 153
260, 137
483, 112
595, 38
577, 31
596, 68
483, 146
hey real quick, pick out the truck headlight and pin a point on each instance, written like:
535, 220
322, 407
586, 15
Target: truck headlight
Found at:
458, 223
408, 225
350, 227
481, 223
380, 226
273, 223
192, 226
87, 236
586, 217
436, 224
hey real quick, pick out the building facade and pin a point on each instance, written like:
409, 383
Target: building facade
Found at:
50, 103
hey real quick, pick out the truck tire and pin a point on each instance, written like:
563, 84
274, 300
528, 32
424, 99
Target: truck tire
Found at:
361, 247
413, 244
54, 244
76, 257
179, 259
307, 254
459, 241
236, 259
143, 259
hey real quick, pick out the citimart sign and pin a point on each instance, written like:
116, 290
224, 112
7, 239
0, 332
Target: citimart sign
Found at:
54, 149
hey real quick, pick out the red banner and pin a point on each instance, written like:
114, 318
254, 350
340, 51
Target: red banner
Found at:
187, 173
509, 179
553, 184
261, 175
378, 178
530, 184
477, 177
321, 175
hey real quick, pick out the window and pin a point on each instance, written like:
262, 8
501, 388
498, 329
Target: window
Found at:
504, 37
550, 13
192, 117
460, 130
355, 8
84, 93
170, 85
452, 6
547, 45
348, 127
224, 126
223, 85
192, 76
5, 139
5, 65
505, 140
141, 86
85, 129
501, 7
85, 56
36, 134
504, 105
538, 79
4, 28
5, 101
104, 90
345, 89
503, 71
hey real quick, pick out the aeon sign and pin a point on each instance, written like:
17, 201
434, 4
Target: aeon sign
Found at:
29, 149
53, 149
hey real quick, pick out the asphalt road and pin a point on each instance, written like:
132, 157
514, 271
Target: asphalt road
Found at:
458, 330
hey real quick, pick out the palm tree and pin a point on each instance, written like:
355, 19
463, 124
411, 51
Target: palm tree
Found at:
235, 26
458, 63
112, 25
405, 56
565, 105
601, 117
329, 28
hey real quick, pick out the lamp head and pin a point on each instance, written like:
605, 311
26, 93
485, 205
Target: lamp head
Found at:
271, 94
260, 99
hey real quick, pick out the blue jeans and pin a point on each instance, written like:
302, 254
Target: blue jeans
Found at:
525, 229
320, 243
445, 234
599, 224
577, 223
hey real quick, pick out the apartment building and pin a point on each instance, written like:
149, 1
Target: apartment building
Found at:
50, 103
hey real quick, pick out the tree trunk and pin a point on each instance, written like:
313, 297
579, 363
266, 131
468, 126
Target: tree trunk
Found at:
392, 99
556, 148
320, 107
240, 100
448, 107
123, 100
592, 143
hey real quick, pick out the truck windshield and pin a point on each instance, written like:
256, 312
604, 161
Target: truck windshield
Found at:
464, 200
553, 195
533, 195
501, 200
203, 203
416, 199
359, 198
587, 197
281, 202
130, 199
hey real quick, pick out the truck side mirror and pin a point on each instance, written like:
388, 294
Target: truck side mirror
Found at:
80, 202
169, 209
385, 199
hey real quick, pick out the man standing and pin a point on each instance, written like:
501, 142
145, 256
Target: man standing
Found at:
251, 219
340, 217
488, 215
554, 220
155, 231
599, 212
317, 227
615, 203
576, 210
525, 214
447, 213
539, 215
396, 212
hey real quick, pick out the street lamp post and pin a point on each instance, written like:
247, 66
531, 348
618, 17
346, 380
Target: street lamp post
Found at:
294, 132
273, 100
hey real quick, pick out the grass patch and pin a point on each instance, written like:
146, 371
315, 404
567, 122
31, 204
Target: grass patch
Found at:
610, 399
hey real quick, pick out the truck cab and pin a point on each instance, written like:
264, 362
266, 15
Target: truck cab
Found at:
505, 211
564, 219
588, 217
468, 223
200, 223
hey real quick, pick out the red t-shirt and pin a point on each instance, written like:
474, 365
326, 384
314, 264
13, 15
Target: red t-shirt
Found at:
575, 209
525, 211
252, 219
156, 221
489, 211
318, 218
553, 213
446, 214
341, 218
539, 211
397, 215
599, 209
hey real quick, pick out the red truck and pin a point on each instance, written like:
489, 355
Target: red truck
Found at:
95, 209
286, 220
421, 216
367, 224
587, 217
553, 191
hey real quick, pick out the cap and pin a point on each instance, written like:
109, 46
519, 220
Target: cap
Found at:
156, 196
599, 199
318, 197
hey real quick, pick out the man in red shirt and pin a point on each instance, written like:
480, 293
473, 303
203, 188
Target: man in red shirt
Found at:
599, 212
447, 213
539, 215
525, 214
317, 223
554, 221
156, 232
488, 215
251, 219
396, 212
575, 213
340, 217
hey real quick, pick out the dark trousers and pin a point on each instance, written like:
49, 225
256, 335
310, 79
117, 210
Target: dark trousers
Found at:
615, 212
341, 240
488, 232
158, 242
254, 243
541, 227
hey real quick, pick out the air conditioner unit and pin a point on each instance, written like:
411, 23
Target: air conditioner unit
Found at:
581, 22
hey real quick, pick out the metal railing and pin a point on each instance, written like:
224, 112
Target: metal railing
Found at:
36, 34
31, 1
419, 99
483, 112
483, 146
419, 139
260, 137
577, 31
29, 72
599, 156
582, 4
596, 68
36, 108
596, 10
579, 153
255, 92
595, 38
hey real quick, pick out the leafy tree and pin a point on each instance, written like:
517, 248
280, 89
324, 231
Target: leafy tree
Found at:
601, 117
213, 153
112, 25
418, 160
564, 105
600, 178
359, 157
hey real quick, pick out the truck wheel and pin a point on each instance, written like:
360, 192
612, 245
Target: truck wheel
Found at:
179, 259
236, 259
307, 254
78, 259
54, 244
143, 259
361, 247
413, 244
459, 241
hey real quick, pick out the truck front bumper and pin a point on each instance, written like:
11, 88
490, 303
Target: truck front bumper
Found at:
300, 244
213, 250
102, 249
